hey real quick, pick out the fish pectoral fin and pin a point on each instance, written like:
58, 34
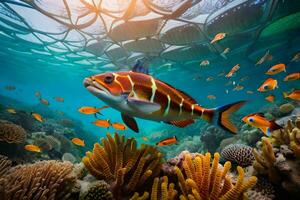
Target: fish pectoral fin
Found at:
143, 105
181, 124
130, 122
266, 130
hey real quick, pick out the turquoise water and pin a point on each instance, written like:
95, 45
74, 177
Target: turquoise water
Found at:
32, 66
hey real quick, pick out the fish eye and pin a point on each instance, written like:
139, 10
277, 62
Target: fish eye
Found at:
109, 79
251, 119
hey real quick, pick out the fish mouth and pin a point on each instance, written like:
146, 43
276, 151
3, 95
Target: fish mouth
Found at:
94, 87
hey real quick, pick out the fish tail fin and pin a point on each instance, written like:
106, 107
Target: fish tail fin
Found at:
221, 116
274, 126
285, 94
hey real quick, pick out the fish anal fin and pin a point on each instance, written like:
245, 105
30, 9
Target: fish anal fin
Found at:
130, 122
181, 124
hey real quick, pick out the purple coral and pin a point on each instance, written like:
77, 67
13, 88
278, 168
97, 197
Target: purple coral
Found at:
238, 153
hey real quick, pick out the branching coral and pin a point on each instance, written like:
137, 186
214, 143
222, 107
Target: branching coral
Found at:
201, 180
289, 135
161, 189
238, 153
265, 161
120, 163
5, 165
48, 180
11, 133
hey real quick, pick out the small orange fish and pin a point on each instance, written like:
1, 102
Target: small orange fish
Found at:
258, 120
204, 63
270, 98
295, 95
102, 123
167, 141
269, 84
245, 78
221, 73
44, 101
32, 148
37, 116
238, 88
59, 99
292, 77
218, 37
119, 126
87, 110
276, 69
11, 110
296, 57
78, 142
211, 97
37, 94
233, 70
10, 87
250, 92
145, 139
210, 78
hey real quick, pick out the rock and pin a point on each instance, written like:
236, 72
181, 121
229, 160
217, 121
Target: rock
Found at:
286, 108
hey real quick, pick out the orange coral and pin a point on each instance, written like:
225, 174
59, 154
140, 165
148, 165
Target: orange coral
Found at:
201, 180
11, 133
120, 163
161, 189
51, 180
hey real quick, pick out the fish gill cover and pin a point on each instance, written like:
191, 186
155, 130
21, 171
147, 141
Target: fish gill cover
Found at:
70, 67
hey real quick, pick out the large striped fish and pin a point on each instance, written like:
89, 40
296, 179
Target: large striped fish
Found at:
136, 94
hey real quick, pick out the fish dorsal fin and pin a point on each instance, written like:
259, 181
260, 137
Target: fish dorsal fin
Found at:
183, 94
181, 124
260, 114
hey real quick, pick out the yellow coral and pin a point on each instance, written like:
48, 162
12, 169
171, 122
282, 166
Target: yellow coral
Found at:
201, 180
289, 135
120, 163
264, 161
161, 189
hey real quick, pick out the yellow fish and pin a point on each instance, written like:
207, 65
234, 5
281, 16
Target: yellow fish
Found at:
11, 110
32, 148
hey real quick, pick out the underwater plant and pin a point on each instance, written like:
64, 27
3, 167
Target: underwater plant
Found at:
238, 153
199, 179
51, 180
121, 164
161, 189
11, 133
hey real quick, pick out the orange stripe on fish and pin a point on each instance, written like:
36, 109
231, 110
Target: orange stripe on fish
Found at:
167, 141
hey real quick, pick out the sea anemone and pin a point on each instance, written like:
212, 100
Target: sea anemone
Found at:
11, 133
51, 180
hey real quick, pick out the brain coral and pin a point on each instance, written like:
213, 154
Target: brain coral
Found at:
11, 133
49, 180
98, 190
238, 153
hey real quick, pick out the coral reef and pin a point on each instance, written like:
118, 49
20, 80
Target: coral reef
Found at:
5, 165
289, 135
11, 133
42, 180
239, 154
201, 180
121, 164
161, 189
97, 190
286, 108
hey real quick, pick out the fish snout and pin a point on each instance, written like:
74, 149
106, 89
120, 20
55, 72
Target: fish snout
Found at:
87, 81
